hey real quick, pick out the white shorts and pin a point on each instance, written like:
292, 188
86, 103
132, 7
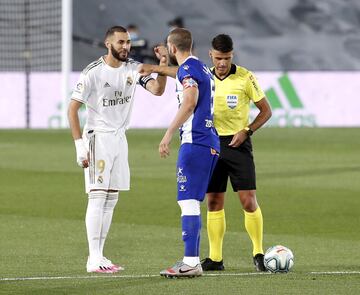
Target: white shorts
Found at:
108, 166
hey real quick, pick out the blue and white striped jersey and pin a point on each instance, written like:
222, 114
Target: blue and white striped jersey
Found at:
199, 128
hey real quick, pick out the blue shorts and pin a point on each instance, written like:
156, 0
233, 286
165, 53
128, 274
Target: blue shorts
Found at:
194, 169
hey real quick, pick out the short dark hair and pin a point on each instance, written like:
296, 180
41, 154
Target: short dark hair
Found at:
222, 43
132, 27
181, 38
176, 22
114, 29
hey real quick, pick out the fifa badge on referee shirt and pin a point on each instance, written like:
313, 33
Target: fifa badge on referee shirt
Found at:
232, 101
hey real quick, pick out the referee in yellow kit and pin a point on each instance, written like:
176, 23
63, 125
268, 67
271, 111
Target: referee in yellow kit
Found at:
235, 88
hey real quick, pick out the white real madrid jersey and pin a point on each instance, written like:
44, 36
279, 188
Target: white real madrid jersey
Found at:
108, 94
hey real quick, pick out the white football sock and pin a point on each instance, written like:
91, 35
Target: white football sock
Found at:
190, 207
191, 261
108, 210
93, 221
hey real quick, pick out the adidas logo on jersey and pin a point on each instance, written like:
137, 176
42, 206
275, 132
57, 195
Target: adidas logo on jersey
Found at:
106, 85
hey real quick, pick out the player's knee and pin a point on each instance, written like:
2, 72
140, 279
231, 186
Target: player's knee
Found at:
215, 205
215, 201
212, 205
248, 200
189, 207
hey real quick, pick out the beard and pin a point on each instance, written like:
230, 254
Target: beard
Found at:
173, 60
117, 54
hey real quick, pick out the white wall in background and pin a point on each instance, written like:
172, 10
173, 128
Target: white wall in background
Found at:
323, 99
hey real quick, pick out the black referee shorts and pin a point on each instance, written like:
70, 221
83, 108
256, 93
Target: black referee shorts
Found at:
236, 163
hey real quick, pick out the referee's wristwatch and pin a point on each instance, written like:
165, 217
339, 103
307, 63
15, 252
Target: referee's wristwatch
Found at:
248, 131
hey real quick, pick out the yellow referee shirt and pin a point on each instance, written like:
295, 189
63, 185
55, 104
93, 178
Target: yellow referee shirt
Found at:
232, 99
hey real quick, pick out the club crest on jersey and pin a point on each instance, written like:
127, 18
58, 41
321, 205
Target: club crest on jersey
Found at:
232, 101
100, 179
129, 81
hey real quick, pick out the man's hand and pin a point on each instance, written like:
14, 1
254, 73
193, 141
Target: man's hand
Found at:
164, 146
238, 138
161, 54
145, 69
82, 153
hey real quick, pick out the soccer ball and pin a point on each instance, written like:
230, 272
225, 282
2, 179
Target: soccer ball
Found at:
278, 259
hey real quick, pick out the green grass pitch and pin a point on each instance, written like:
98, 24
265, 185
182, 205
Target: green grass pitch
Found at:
308, 188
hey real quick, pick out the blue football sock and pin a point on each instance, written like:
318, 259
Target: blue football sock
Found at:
191, 226
198, 242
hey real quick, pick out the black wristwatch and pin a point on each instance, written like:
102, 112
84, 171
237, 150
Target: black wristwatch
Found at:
249, 131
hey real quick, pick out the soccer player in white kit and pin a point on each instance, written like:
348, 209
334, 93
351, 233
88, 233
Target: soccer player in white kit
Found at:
107, 88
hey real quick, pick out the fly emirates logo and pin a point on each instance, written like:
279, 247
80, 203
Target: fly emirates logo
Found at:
117, 100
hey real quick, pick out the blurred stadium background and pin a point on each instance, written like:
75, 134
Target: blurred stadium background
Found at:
301, 51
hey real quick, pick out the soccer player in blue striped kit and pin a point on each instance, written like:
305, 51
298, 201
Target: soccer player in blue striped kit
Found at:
199, 148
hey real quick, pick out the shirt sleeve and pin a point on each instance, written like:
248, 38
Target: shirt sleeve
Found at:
186, 77
253, 89
82, 89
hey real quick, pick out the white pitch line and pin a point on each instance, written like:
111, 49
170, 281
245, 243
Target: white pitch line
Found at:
157, 275
335, 272
119, 276
236, 274
79, 277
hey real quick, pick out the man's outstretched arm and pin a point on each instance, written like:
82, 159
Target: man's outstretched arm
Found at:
163, 70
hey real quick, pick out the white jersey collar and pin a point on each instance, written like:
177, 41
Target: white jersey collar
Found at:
110, 67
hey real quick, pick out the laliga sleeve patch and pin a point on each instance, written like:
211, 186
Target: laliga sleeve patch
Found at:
79, 88
189, 82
